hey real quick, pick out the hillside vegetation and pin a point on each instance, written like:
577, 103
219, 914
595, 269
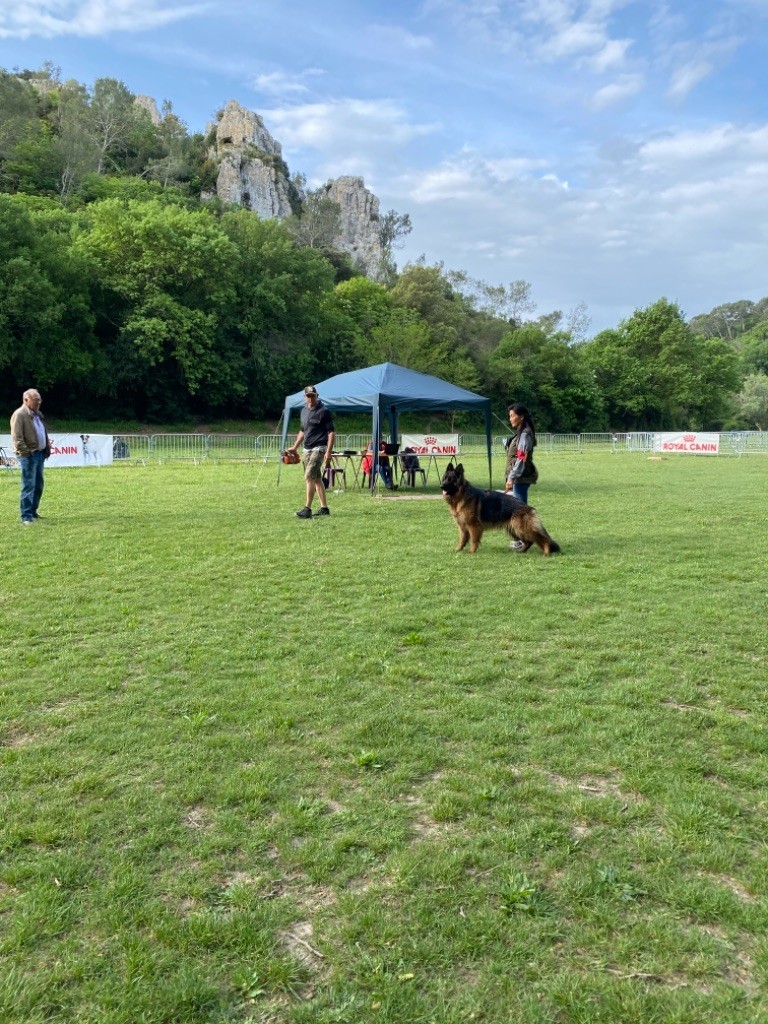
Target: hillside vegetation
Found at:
125, 291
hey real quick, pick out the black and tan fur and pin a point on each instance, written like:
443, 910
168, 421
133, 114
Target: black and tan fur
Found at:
475, 511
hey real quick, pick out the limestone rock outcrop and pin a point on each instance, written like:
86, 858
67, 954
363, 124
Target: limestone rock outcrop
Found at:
150, 106
359, 222
238, 126
252, 172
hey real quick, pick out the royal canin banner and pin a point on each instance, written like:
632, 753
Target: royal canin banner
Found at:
689, 444
431, 444
70, 450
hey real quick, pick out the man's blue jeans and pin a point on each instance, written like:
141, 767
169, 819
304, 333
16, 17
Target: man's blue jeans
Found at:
31, 484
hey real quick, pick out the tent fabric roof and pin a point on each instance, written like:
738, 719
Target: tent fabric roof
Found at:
387, 385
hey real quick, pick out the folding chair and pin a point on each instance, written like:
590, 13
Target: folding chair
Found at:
409, 467
331, 475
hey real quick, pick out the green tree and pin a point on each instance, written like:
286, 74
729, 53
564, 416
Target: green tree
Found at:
752, 401
174, 166
547, 374
427, 292
731, 319
366, 305
506, 302
318, 224
654, 372
46, 326
123, 132
165, 285
753, 350
393, 226
27, 155
279, 324
77, 148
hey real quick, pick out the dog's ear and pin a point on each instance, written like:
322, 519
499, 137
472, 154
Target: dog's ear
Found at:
460, 469
449, 468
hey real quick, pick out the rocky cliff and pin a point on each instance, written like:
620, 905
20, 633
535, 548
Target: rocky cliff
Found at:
252, 173
359, 222
148, 104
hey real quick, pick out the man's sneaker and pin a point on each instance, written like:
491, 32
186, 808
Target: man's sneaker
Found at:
516, 545
37, 516
27, 522
322, 511
304, 513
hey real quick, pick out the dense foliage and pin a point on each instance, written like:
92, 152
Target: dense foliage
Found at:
124, 291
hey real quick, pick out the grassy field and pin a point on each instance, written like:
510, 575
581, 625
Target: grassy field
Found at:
258, 769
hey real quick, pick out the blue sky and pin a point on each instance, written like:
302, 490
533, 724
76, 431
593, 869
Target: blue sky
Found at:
609, 152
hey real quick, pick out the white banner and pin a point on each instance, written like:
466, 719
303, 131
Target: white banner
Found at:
690, 444
431, 444
70, 450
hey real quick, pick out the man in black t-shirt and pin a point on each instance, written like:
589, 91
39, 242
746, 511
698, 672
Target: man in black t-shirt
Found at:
318, 434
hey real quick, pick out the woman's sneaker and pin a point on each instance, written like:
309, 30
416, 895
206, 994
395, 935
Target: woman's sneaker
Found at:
304, 513
322, 511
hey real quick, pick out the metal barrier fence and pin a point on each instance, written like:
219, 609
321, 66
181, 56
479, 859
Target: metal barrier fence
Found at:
745, 442
135, 447
266, 447
233, 446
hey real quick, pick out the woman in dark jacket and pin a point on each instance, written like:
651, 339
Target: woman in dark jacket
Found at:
521, 471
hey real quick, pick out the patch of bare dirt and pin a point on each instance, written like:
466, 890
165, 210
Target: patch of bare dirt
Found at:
17, 738
669, 703
426, 827
298, 941
735, 886
603, 787
737, 966
241, 878
595, 785
198, 818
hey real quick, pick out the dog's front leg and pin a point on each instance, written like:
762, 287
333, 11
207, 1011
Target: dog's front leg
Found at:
463, 538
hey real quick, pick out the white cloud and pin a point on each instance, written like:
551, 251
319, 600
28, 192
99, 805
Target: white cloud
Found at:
349, 136
685, 78
612, 54
508, 168
447, 184
280, 83
678, 219
624, 88
573, 39
52, 18
703, 151
397, 38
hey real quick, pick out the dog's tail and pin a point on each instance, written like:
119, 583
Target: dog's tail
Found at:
542, 538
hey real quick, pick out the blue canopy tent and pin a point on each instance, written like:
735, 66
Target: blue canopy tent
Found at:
387, 390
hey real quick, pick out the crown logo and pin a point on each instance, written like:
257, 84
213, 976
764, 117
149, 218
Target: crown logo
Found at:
430, 440
689, 437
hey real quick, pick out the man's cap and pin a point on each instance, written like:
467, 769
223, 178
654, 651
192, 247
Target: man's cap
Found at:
311, 390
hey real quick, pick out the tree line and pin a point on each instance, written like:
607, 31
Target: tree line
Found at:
125, 293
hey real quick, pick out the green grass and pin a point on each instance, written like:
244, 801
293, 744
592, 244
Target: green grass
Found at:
258, 769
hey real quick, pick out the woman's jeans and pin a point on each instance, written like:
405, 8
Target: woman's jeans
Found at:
520, 491
31, 484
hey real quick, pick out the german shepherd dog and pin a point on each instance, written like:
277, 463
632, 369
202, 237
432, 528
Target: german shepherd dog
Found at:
475, 511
